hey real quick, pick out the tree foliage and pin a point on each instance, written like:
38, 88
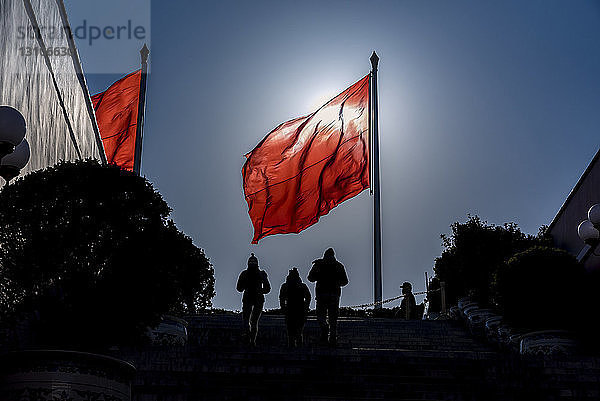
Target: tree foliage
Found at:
472, 254
194, 274
87, 253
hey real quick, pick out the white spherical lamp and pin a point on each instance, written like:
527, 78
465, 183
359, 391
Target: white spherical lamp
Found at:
588, 233
594, 215
11, 164
12, 129
19, 157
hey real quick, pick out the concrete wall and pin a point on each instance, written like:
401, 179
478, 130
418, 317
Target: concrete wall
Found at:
564, 227
49, 91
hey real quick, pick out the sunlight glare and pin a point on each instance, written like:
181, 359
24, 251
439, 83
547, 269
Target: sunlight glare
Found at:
319, 96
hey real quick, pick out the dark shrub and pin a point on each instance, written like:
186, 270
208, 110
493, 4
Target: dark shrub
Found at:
538, 289
88, 257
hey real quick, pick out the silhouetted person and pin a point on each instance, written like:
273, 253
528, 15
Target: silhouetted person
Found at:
330, 276
294, 300
408, 306
255, 284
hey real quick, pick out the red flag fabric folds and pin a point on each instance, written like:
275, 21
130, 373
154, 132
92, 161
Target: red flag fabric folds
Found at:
307, 166
116, 114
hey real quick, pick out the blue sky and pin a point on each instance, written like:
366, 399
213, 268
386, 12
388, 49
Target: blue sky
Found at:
486, 107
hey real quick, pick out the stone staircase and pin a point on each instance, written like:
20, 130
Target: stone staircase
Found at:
376, 359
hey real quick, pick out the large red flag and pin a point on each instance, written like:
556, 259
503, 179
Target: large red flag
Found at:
116, 114
307, 166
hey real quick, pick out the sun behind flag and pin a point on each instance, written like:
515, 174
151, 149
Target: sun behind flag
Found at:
116, 114
307, 166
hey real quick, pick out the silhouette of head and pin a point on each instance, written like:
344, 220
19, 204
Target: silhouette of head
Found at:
406, 287
329, 254
293, 275
252, 261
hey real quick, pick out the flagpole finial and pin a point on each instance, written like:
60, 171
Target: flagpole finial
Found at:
144, 54
374, 60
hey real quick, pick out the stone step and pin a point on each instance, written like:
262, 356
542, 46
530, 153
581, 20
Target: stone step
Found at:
391, 333
376, 359
366, 374
278, 389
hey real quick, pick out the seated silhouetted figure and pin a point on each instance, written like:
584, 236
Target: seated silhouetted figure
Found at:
330, 276
255, 284
408, 306
294, 300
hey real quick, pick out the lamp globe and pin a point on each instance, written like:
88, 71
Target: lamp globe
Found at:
12, 129
594, 215
588, 233
11, 164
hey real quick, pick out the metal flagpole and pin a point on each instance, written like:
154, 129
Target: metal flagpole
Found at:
137, 158
376, 183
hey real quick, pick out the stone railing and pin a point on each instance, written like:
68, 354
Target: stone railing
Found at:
49, 375
485, 323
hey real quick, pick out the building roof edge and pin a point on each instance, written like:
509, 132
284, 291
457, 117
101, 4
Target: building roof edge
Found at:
575, 189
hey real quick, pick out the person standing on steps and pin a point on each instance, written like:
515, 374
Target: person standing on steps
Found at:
408, 306
254, 283
330, 276
294, 300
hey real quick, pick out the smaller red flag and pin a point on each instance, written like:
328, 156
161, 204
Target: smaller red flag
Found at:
116, 113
